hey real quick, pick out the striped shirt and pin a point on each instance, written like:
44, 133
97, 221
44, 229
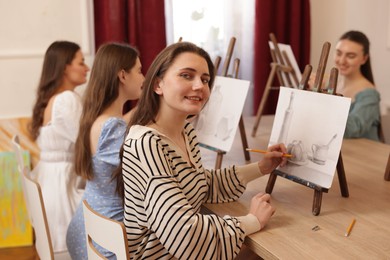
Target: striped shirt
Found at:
163, 196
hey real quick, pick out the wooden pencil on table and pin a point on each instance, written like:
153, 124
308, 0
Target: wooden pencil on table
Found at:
350, 227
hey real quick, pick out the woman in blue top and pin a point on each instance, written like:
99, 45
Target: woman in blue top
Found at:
352, 59
116, 77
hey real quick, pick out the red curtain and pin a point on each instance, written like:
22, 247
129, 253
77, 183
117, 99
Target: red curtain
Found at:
141, 23
289, 20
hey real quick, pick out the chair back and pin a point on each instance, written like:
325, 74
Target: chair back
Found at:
37, 214
21, 168
106, 232
18, 152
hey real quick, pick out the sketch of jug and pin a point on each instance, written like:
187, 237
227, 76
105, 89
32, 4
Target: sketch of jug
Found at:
286, 121
320, 151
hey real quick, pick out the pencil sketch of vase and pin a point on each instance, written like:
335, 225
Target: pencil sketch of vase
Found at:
286, 121
224, 128
212, 112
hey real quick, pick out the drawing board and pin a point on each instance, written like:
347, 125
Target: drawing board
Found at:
217, 123
312, 126
287, 48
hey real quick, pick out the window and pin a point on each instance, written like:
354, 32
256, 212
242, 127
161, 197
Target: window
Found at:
210, 24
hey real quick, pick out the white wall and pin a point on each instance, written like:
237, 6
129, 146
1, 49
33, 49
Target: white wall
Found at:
331, 18
27, 28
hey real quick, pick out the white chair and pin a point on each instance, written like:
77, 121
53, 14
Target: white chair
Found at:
36, 209
38, 219
15, 143
106, 232
18, 152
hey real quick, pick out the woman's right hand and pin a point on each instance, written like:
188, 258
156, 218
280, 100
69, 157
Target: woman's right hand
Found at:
261, 207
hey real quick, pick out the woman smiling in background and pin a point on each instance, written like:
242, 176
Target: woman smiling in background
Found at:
352, 59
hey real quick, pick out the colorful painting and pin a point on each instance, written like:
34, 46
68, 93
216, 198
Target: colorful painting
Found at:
15, 228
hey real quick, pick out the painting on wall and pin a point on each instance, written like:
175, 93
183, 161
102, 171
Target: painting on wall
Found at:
15, 228
217, 123
312, 126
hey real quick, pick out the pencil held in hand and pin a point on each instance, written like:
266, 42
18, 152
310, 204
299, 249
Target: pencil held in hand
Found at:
264, 151
350, 227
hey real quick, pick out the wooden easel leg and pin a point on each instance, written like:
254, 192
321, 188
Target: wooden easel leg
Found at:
243, 139
342, 179
387, 172
218, 161
264, 97
271, 183
317, 200
278, 72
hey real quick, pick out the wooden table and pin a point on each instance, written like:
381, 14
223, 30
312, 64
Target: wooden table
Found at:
289, 233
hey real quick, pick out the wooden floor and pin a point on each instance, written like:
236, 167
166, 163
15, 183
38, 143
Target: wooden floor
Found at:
20, 253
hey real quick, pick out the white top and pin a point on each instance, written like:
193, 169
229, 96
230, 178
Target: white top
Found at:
55, 169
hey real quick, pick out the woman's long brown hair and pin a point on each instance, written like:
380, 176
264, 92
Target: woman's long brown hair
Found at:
361, 38
102, 90
58, 55
149, 102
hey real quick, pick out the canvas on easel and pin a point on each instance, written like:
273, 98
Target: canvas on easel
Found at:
319, 151
288, 57
285, 67
312, 126
217, 123
215, 145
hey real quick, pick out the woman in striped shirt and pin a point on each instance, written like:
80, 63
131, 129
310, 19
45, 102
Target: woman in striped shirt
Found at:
164, 180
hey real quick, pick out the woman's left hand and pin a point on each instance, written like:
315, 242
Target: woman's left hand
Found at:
273, 158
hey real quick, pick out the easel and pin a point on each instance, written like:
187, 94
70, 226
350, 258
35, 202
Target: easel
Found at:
225, 68
280, 66
318, 190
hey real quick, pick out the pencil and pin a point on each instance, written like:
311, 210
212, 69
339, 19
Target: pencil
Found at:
350, 227
264, 151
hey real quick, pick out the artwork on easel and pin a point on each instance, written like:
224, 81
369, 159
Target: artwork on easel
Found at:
312, 126
217, 123
289, 52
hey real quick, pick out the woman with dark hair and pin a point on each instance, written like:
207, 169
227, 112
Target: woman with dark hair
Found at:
54, 126
165, 183
116, 77
352, 59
